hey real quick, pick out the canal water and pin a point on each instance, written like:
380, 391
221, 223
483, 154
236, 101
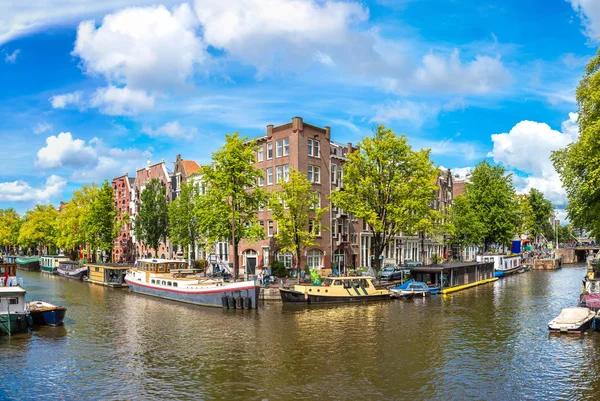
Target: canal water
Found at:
486, 343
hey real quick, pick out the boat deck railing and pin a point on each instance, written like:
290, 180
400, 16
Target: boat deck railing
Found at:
12, 282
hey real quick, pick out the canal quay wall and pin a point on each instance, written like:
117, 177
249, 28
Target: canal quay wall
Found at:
568, 255
546, 264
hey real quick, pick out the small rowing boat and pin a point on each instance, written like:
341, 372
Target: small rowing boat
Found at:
45, 313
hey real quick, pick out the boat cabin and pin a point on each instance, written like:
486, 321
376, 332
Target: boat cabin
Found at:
12, 299
11, 270
49, 263
161, 266
68, 265
449, 275
111, 275
9, 258
501, 262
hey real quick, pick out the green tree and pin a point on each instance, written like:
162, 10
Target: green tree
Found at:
524, 214
390, 186
39, 228
10, 223
151, 225
298, 211
228, 209
99, 220
468, 228
491, 195
578, 164
71, 224
183, 221
541, 213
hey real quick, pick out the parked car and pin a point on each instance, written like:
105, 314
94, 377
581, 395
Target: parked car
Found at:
392, 273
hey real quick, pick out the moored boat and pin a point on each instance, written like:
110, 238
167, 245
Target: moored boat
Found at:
28, 263
14, 315
417, 288
575, 320
504, 265
45, 313
49, 263
336, 290
109, 275
171, 279
71, 269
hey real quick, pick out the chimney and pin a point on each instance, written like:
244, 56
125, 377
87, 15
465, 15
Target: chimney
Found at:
349, 147
178, 157
327, 132
297, 124
270, 130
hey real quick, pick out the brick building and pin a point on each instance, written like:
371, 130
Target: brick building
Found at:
142, 178
183, 169
123, 249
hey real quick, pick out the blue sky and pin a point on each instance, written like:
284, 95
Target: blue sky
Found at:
91, 90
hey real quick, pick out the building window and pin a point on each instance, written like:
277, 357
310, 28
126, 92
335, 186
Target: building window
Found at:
314, 226
261, 153
316, 203
286, 147
340, 174
314, 259
278, 148
223, 250
279, 170
269, 150
286, 173
270, 230
265, 252
333, 173
286, 258
314, 174
261, 181
270, 176
313, 148
262, 224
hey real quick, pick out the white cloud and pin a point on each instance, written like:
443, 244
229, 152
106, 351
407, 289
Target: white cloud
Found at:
63, 150
12, 58
172, 130
462, 172
40, 128
121, 101
142, 48
451, 75
527, 148
404, 110
64, 100
20, 191
22, 17
91, 161
589, 11
323, 58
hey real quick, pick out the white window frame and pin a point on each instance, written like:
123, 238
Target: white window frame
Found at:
286, 146
287, 258
269, 150
278, 148
260, 154
265, 253
317, 174
270, 228
310, 173
270, 176
286, 172
333, 173
261, 181
279, 174
314, 259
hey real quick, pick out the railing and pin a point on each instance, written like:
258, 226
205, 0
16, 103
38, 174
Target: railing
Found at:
12, 282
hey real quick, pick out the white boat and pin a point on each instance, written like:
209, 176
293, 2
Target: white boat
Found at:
574, 320
503, 264
171, 279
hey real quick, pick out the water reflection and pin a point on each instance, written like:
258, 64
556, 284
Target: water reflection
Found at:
490, 342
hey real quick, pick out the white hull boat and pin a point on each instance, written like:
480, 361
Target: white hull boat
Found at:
574, 320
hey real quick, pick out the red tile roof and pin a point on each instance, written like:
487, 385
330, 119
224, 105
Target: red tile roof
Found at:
190, 167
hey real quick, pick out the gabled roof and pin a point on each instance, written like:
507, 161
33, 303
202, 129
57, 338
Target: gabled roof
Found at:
190, 167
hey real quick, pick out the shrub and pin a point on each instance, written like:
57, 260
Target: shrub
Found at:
200, 264
278, 269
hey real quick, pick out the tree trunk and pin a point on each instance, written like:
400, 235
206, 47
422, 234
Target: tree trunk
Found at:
298, 265
233, 242
423, 251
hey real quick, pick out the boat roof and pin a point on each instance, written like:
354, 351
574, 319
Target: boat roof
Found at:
12, 290
162, 260
512, 255
444, 267
111, 266
348, 278
55, 256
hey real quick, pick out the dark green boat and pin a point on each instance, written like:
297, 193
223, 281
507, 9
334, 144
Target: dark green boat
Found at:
14, 315
30, 264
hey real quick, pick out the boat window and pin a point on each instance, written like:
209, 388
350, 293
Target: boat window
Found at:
364, 283
161, 267
169, 283
175, 284
347, 283
96, 269
13, 301
356, 283
337, 282
163, 283
153, 281
327, 281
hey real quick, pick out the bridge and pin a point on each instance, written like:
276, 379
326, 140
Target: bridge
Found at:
577, 254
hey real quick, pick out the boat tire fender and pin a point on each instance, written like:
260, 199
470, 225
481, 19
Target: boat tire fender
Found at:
247, 302
224, 302
239, 303
230, 302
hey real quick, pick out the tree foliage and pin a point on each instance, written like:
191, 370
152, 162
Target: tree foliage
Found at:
228, 210
39, 227
99, 221
491, 196
469, 230
10, 223
151, 225
71, 220
183, 220
541, 211
390, 186
295, 208
578, 164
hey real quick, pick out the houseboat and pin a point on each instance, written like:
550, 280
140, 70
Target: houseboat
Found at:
451, 277
336, 290
28, 263
14, 314
171, 279
8, 275
110, 275
72, 269
9, 259
504, 265
590, 291
49, 263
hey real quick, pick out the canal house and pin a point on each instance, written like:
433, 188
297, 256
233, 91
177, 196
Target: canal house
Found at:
452, 277
110, 275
